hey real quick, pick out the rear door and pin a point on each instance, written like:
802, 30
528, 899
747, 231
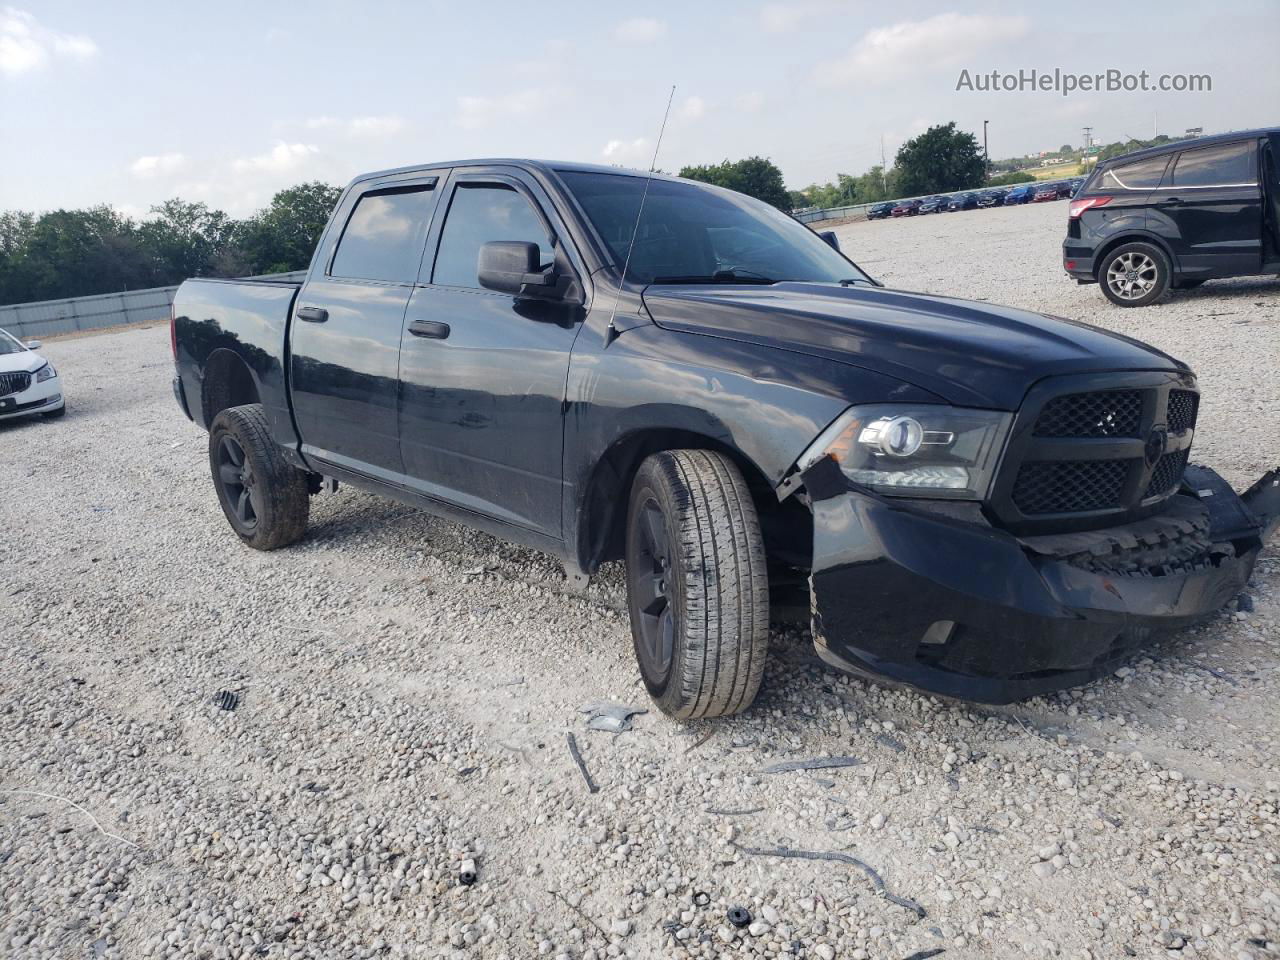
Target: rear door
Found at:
1212, 196
345, 335
482, 373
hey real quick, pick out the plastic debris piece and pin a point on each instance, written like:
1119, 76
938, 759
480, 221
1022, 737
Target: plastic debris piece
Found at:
817, 763
582, 764
739, 916
467, 873
610, 717
226, 700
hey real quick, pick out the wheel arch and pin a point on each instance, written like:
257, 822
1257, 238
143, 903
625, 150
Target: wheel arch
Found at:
1133, 236
228, 382
601, 506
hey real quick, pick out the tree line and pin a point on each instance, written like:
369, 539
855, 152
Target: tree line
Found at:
74, 253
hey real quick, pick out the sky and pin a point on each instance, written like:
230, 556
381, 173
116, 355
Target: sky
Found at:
132, 103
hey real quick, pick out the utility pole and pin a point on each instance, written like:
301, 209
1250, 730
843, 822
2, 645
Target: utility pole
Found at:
884, 174
986, 157
1088, 137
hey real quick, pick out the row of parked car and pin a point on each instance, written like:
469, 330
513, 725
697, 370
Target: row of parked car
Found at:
978, 199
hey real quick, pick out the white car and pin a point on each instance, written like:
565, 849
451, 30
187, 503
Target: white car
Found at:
28, 382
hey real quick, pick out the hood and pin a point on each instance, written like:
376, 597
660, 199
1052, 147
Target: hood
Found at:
27, 360
972, 354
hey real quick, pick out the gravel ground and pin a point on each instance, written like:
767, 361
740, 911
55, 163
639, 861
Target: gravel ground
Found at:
405, 688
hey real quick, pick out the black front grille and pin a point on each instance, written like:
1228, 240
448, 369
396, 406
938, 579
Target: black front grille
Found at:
1069, 486
14, 383
1168, 472
1183, 406
1107, 413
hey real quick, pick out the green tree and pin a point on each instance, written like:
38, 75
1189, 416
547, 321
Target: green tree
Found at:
186, 239
1066, 148
284, 235
940, 160
755, 176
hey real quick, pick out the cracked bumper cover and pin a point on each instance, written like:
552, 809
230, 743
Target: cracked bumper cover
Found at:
937, 598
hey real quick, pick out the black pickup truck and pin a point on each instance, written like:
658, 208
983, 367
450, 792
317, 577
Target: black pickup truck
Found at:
980, 501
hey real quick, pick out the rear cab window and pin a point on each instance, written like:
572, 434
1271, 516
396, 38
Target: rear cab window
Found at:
385, 235
1222, 165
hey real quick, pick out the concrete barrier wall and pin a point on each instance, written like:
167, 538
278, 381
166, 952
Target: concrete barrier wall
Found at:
49, 318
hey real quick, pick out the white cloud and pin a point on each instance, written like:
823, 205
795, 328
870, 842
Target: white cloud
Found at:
752, 102
477, 112
161, 164
693, 108
322, 123
629, 153
938, 42
640, 30
281, 158
27, 45
375, 126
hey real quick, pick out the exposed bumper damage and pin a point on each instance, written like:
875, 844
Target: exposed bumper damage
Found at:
930, 594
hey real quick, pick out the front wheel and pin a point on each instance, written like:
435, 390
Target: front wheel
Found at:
263, 497
697, 585
1134, 275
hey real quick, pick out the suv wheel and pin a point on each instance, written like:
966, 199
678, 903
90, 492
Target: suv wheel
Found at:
1134, 274
263, 497
697, 586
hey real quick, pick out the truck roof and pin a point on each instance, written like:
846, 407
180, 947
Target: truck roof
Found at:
542, 166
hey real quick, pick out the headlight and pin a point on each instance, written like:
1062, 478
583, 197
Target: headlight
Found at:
915, 451
46, 373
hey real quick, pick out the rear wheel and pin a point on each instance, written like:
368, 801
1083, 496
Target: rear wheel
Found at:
1134, 274
697, 585
263, 497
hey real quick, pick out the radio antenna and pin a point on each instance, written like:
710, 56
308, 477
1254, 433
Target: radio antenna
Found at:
635, 230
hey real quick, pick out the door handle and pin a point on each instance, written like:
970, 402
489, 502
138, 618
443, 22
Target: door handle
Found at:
429, 328
313, 314
1171, 201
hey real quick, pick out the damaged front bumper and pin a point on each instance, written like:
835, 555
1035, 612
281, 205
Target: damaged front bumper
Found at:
928, 593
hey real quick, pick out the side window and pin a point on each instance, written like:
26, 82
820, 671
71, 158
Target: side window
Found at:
1228, 165
480, 213
384, 236
1141, 175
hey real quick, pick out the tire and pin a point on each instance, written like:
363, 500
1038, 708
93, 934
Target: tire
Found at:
263, 497
1186, 284
1134, 274
55, 414
697, 584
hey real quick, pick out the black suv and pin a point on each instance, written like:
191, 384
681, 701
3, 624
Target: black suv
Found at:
1177, 215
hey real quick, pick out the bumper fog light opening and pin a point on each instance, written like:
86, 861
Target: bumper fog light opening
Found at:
939, 633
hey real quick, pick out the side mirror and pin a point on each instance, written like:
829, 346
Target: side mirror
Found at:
830, 237
34, 344
512, 266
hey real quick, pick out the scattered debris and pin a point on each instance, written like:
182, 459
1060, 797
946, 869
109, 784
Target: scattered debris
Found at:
700, 741
54, 796
1244, 603
701, 898
610, 717
839, 858
817, 763
739, 916
582, 765
513, 682
579, 912
467, 873
925, 954
226, 700
734, 813
892, 743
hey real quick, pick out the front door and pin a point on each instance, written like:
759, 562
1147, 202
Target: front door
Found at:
1212, 196
345, 333
483, 373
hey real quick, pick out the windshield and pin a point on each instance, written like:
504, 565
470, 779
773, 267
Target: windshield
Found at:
9, 345
691, 233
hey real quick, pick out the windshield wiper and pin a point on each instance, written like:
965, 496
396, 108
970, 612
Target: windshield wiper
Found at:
852, 280
720, 276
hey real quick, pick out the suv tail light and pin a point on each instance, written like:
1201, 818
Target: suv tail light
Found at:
1080, 206
173, 332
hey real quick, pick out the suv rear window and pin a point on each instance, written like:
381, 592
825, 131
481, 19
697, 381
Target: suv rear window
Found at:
1229, 164
384, 236
1139, 175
